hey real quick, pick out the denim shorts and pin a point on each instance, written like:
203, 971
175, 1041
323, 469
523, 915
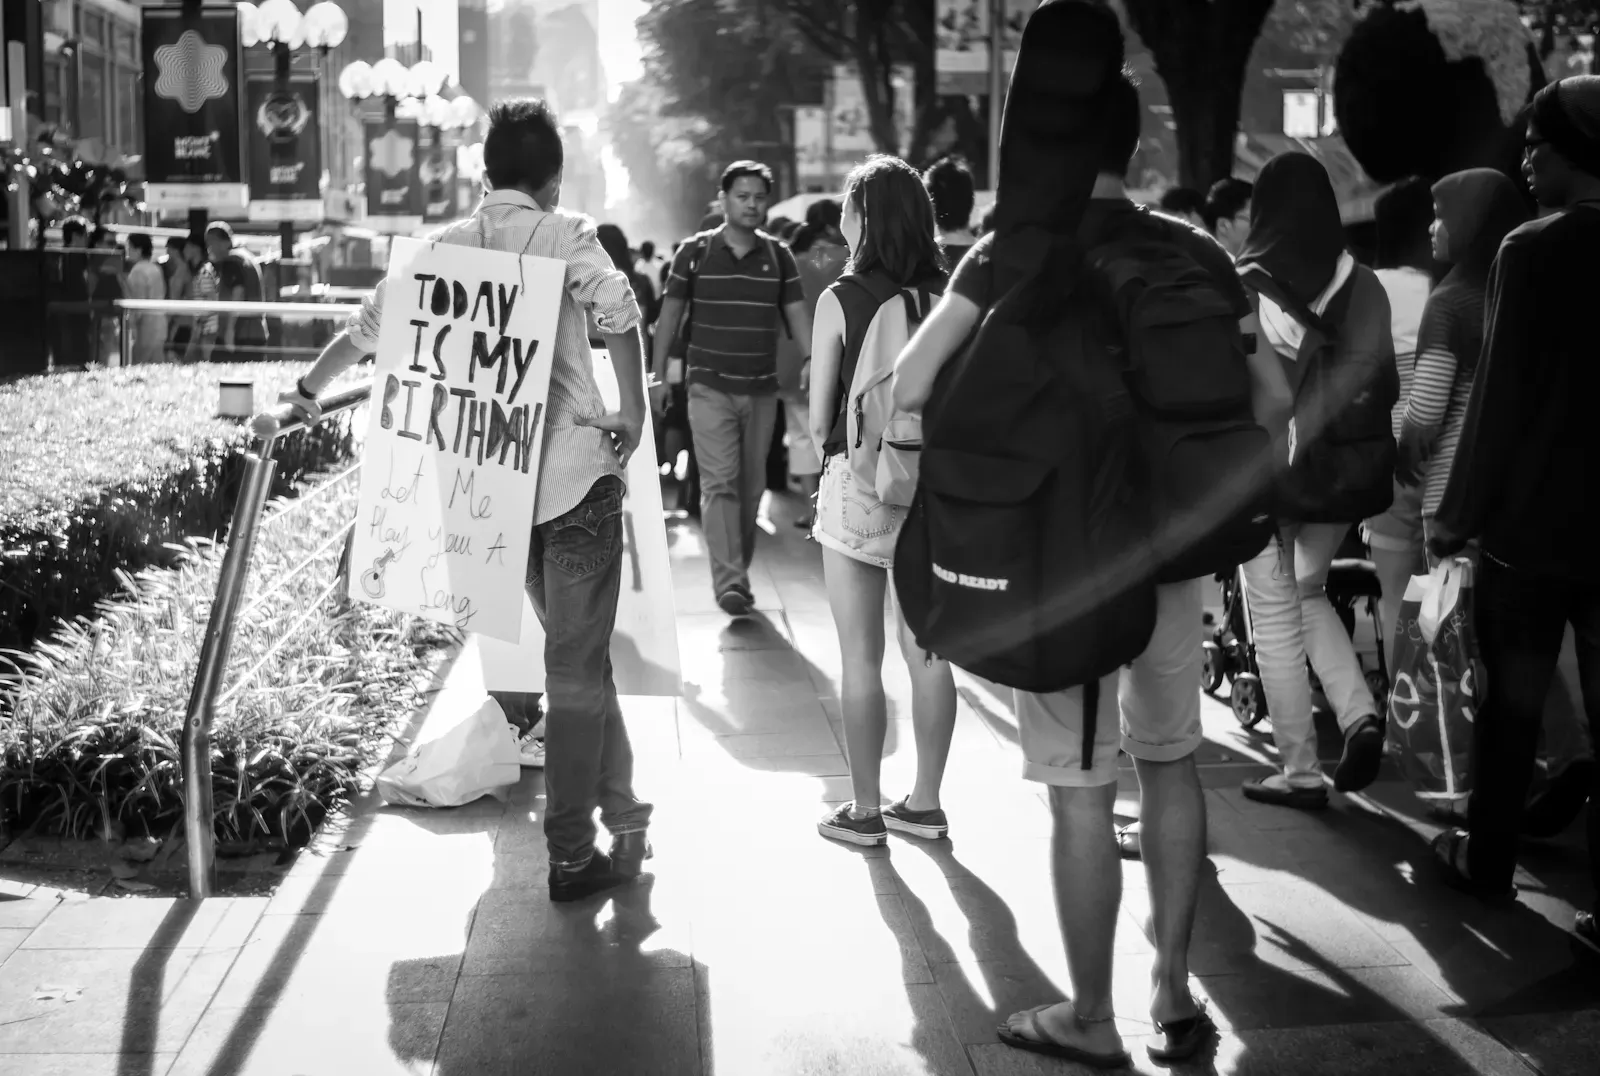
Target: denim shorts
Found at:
850, 518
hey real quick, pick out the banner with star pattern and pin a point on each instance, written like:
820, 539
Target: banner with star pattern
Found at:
394, 180
193, 104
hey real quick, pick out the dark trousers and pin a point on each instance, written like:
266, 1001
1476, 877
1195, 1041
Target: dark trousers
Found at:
574, 577
1521, 617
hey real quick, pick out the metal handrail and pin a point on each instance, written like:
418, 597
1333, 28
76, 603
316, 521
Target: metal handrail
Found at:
259, 469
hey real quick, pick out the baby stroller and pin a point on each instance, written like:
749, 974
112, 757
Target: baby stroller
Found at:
1230, 653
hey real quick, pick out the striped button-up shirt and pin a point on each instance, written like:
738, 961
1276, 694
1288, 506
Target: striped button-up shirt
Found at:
574, 457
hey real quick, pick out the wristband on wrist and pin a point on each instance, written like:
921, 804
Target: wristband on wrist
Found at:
300, 387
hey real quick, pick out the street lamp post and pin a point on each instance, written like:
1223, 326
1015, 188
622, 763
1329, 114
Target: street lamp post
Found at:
411, 93
280, 26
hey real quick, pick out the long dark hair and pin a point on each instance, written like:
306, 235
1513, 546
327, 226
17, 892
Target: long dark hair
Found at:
615, 243
898, 235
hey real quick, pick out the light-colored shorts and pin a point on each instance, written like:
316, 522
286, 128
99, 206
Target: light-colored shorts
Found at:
1151, 709
851, 520
803, 458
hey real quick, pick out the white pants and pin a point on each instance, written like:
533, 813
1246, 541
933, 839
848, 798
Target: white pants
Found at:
1292, 620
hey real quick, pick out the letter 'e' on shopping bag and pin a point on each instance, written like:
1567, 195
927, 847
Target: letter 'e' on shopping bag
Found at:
475, 758
1438, 681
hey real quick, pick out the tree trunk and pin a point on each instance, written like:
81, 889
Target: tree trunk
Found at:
1201, 48
870, 49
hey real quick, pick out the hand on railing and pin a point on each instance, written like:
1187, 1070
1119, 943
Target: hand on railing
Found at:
292, 409
295, 412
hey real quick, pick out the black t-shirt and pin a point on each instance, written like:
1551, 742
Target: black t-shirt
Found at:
239, 270
974, 277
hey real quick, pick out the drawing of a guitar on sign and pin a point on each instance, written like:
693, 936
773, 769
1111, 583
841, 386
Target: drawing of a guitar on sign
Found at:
372, 578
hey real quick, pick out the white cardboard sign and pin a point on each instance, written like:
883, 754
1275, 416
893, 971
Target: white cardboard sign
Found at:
644, 644
457, 424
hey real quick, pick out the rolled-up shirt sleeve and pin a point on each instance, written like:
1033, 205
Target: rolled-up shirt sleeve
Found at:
362, 328
595, 283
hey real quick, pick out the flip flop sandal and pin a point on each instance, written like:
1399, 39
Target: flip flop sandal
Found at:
1185, 1038
1037, 1042
1447, 854
1128, 841
1586, 931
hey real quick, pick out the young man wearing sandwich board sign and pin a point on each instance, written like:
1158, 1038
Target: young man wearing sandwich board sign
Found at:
462, 379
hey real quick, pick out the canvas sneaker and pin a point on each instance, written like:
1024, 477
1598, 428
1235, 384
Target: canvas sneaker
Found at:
868, 831
929, 825
530, 751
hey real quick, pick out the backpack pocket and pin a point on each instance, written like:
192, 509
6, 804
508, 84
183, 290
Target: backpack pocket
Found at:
983, 565
1185, 351
1215, 496
900, 459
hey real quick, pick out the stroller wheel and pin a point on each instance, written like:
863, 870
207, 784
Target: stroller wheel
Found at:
1212, 668
1248, 702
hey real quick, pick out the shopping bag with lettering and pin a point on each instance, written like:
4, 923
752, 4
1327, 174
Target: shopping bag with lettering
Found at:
1438, 683
474, 759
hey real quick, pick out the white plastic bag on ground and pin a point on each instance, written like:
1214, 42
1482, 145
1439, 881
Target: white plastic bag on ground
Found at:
473, 759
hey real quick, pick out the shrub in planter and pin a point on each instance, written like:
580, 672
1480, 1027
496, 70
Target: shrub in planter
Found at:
102, 472
90, 734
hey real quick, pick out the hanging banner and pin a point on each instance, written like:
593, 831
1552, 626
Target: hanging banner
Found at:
451, 462
394, 187
193, 108
644, 642
285, 148
961, 47
438, 175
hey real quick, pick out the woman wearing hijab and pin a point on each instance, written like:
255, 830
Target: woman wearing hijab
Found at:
1474, 211
1328, 320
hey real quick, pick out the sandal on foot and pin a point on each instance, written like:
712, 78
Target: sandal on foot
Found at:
1128, 840
1447, 848
1037, 1042
1184, 1037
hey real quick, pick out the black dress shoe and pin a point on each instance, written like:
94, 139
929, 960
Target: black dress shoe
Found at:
628, 853
596, 876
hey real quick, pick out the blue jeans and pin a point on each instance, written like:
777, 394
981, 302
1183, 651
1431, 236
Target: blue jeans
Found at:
574, 576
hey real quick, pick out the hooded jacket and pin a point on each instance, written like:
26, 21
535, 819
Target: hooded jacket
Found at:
1477, 208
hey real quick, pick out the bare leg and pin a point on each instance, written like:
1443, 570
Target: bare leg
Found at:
1172, 810
933, 716
1088, 884
855, 594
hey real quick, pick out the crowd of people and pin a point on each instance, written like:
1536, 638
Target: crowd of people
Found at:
206, 266
1438, 419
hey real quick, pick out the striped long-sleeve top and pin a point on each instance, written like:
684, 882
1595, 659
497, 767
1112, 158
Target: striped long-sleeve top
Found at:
1448, 348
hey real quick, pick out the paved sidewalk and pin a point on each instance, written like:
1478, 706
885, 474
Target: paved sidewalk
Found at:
423, 942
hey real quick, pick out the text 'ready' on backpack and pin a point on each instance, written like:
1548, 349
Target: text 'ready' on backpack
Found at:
883, 444
1207, 462
1024, 557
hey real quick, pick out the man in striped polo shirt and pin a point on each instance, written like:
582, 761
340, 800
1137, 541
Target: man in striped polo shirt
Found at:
741, 287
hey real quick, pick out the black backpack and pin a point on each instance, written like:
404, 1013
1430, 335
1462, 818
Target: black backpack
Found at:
1344, 452
1023, 556
1207, 462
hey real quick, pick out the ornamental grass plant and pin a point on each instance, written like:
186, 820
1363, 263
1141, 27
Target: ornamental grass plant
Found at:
106, 472
315, 689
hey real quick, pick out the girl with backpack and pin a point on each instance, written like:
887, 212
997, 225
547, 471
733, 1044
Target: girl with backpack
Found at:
1328, 320
862, 322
